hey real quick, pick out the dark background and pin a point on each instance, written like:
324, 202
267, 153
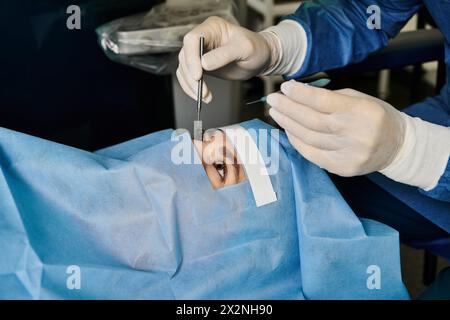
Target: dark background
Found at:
58, 84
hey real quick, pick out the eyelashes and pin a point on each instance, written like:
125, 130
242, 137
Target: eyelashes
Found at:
221, 170
220, 160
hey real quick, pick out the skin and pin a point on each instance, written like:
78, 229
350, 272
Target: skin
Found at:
219, 160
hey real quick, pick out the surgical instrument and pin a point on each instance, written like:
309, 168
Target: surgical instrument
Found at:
200, 83
317, 83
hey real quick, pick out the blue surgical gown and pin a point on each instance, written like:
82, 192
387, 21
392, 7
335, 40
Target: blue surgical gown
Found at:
337, 35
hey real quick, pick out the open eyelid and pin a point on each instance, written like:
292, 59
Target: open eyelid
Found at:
234, 163
220, 154
221, 172
225, 156
229, 157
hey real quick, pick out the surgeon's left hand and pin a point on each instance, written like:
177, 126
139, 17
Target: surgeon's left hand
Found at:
345, 132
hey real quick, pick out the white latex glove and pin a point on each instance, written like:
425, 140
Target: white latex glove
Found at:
232, 52
345, 132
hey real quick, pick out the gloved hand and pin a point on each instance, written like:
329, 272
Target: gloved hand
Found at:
232, 52
345, 132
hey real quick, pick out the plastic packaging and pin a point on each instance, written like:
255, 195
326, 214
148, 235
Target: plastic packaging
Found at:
149, 40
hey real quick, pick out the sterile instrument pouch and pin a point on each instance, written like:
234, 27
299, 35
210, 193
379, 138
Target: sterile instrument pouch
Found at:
127, 222
149, 40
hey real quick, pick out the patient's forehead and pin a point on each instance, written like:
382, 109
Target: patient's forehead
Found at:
215, 146
212, 134
216, 137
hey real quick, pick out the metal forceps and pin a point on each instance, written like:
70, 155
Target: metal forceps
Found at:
198, 126
200, 83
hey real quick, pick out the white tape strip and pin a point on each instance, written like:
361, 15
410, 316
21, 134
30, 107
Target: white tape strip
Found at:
253, 163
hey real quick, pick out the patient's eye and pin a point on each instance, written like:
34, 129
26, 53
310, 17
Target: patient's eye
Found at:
221, 170
219, 160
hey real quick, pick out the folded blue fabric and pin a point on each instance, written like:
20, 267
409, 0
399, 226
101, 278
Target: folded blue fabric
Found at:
128, 223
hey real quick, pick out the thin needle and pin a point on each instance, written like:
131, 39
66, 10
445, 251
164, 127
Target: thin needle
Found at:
263, 99
253, 102
318, 83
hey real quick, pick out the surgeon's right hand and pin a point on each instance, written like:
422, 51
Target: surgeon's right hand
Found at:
232, 52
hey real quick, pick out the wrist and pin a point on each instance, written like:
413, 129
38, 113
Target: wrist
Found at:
275, 52
288, 41
400, 143
423, 155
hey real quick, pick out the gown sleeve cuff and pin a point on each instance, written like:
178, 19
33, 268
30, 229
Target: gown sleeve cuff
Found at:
291, 45
423, 156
